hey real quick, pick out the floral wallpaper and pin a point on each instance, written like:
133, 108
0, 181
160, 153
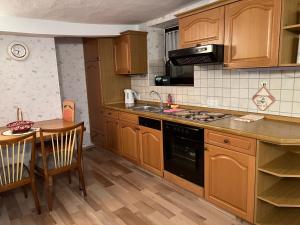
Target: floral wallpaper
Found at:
71, 70
31, 84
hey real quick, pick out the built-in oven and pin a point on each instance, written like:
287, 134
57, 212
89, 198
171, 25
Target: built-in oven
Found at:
184, 151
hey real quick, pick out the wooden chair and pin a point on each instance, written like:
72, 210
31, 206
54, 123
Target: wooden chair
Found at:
14, 172
64, 156
69, 110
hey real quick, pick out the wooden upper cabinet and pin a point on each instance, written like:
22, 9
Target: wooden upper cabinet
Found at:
122, 55
151, 150
252, 30
91, 49
202, 28
129, 141
130, 53
230, 180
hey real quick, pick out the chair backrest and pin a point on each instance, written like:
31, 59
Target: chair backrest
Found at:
69, 110
65, 143
13, 154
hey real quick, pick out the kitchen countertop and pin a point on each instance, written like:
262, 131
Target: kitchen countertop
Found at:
268, 130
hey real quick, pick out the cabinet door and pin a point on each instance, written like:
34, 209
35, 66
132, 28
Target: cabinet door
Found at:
122, 54
252, 30
229, 181
129, 141
202, 28
151, 150
93, 83
112, 134
90, 47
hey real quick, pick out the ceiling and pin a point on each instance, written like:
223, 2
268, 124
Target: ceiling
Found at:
92, 11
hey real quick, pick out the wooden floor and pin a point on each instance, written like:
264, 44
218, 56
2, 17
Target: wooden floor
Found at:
119, 193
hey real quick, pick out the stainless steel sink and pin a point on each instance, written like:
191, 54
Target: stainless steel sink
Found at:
147, 108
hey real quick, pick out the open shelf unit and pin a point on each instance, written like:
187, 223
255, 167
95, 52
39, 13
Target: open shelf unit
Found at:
278, 216
284, 193
289, 33
287, 165
277, 185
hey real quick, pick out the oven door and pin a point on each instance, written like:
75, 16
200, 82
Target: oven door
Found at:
184, 152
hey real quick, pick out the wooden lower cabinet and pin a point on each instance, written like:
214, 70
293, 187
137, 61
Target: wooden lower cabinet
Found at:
150, 141
230, 181
129, 139
112, 135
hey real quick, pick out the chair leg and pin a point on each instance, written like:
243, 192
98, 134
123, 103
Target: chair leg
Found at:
49, 191
35, 196
82, 182
24, 188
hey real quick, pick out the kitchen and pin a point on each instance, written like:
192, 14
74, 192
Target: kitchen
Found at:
199, 162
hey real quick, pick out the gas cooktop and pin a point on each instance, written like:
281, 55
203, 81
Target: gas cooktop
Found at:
198, 115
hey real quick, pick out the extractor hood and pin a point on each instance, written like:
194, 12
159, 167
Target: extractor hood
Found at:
204, 54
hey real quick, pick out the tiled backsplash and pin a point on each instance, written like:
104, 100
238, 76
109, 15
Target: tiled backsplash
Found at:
218, 87
229, 89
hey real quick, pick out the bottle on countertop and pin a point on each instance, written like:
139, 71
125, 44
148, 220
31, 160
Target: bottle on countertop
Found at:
170, 100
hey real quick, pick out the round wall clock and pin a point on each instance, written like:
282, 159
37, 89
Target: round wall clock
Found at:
18, 51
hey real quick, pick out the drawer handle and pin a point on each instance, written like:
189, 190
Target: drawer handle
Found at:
109, 113
137, 129
226, 141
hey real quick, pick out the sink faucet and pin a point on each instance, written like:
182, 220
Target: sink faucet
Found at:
161, 105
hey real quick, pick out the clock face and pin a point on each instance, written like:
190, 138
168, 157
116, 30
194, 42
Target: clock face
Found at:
18, 51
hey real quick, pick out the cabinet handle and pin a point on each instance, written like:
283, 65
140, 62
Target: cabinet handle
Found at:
226, 141
137, 129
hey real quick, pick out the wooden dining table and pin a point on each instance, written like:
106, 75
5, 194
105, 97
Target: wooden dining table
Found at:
46, 124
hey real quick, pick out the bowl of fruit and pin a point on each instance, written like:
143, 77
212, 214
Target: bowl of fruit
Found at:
20, 126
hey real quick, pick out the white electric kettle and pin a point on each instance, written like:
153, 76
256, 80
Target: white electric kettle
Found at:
130, 95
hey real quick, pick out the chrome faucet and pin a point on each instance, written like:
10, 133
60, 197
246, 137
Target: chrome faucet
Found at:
161, 104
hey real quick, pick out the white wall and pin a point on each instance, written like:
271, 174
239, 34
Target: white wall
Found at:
31, 84
22, 26
71, 72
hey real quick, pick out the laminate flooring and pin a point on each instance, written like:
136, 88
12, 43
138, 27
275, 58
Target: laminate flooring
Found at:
119, 193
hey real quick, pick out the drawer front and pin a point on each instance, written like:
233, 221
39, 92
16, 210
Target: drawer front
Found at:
128, 117
112, 114
230, 141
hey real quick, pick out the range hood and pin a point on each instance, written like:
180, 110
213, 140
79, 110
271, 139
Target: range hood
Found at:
204, 54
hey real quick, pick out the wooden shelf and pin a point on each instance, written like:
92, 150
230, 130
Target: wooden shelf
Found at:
285, 193
281, 216
293, 28
286, 165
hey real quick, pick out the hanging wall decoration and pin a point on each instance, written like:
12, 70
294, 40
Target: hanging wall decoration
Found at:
263, 99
